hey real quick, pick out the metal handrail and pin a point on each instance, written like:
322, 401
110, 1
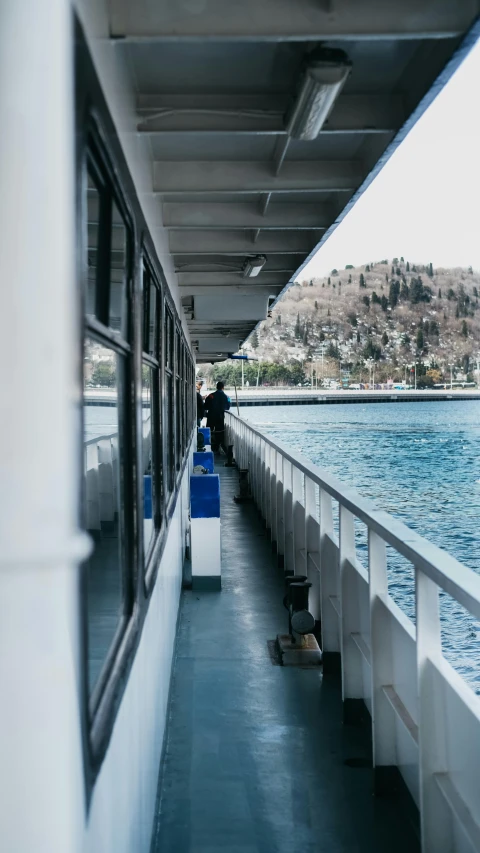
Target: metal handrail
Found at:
447, 572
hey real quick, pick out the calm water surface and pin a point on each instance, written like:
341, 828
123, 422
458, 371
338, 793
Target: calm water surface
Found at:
418, 461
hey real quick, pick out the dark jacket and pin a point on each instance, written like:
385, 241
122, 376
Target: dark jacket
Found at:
200, 406
216, 405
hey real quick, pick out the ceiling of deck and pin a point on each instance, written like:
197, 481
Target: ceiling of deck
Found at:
214, 81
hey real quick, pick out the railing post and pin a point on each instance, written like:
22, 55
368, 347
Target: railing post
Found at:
263, 479
298, 498
288, 516
273, 496
312, 547
383, 716
352, 682
268, 463
435, 816
280, 510
329, 600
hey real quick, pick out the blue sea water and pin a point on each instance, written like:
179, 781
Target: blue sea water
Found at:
418, 461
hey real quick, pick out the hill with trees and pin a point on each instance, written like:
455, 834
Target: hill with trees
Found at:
395, 312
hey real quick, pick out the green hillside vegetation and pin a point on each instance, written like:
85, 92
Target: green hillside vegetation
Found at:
393, 311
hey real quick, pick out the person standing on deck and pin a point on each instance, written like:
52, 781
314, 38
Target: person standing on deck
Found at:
216, 404
200, 405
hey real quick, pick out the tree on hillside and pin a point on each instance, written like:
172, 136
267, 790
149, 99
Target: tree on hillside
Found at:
384, 303
451, 294
358, 337
464, 329
394, 293
367, 268
375, 299
254, 339
366, 301
384, 339
398, 271
316, 305
475, 292
278, 319
430, 270
371, 350
362, 280
414, 269
408, 267
439, 292
329, 281
332, 351
349, 279
349, 267
297, 329
334, 272
419, 292
420, 340
402, 259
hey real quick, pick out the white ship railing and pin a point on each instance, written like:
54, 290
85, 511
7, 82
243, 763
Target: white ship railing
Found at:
425, 718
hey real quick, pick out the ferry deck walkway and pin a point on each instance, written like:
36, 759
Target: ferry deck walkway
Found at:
257, 758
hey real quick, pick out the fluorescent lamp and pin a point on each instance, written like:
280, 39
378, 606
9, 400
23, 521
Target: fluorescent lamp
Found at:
323, 79
253, 266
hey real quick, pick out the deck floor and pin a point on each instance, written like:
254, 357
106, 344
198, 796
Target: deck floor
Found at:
255, 755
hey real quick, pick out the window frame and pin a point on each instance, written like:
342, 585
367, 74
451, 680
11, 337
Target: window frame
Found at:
154, 363
96, 160
93, 121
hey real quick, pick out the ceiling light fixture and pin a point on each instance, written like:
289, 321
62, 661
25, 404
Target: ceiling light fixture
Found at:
253, 266
324, 76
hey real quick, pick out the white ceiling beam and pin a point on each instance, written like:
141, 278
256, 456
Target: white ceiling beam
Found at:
179, 216
244, 176
216, 279
237, 243
222, 291
263, 115
283, 20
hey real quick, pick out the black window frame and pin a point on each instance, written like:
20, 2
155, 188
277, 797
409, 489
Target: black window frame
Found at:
96, 161
93, 121
154, 362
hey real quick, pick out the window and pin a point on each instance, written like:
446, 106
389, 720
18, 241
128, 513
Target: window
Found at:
107, 423
151, 412
169, 399
117, 304
178, 400
103, 370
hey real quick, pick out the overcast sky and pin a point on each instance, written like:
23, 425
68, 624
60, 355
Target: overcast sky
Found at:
425, 203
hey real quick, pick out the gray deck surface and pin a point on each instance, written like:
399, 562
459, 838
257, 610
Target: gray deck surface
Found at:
255, 755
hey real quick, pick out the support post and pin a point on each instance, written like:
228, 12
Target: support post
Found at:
352, 684
40, 442
330, 602
383, 715
312, 548
435, 816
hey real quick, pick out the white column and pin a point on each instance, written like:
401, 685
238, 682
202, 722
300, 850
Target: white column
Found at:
41, 774
381, 657
437, 834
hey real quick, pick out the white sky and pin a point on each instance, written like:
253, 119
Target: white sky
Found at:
425, 203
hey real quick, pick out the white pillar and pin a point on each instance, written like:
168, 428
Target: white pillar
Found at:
41, 774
